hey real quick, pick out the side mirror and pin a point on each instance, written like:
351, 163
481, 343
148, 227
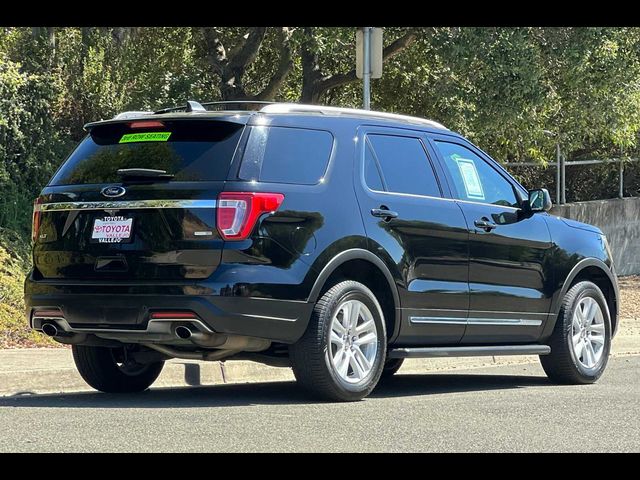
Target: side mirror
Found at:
539, 200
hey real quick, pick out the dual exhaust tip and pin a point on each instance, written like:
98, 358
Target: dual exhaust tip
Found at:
50, 329
183, 332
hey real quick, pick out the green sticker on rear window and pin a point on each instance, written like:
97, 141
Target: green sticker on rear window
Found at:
145, 137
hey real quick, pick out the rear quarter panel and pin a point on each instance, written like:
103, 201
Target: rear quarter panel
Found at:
284, 257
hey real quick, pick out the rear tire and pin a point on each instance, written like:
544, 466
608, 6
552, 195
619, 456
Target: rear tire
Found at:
581, 339
110, 370
341, 354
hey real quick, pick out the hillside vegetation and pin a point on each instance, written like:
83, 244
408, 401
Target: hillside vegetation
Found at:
14, 264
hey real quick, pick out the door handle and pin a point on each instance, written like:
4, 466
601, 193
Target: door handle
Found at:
485, 224
384, 212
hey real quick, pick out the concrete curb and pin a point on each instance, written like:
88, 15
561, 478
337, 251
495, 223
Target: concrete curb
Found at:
39, 371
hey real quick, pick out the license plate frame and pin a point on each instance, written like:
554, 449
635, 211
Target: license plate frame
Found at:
121, 230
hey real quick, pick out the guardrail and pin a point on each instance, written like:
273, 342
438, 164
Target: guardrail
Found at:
561, 164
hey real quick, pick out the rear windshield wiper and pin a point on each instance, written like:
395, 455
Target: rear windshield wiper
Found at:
144, 174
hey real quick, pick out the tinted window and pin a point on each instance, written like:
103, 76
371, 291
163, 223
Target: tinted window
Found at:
191, 151
286, 155
474, 178
404, 165
371, 172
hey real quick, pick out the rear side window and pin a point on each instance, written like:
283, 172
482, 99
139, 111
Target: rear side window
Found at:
286, 155
189, 150
403, 165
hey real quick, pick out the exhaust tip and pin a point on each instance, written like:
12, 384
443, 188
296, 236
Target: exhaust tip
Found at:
183, 332
50, 329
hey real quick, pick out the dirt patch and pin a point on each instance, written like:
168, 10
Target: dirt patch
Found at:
629, 305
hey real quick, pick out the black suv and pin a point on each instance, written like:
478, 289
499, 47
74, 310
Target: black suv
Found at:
335, 241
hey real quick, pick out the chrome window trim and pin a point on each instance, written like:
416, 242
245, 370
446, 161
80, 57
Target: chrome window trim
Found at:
124, 204
414, 195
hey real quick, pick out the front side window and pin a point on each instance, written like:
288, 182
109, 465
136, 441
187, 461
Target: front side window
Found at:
402, 164
474, 179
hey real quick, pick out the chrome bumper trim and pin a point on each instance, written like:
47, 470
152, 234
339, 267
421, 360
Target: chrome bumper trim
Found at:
124, 205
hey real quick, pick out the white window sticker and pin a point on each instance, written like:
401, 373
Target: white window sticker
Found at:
470, 177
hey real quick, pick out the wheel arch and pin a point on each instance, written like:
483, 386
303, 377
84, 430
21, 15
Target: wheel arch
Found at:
596, 271
363, 266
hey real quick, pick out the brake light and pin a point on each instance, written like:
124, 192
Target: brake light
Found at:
35, 219
237, 212
146, 124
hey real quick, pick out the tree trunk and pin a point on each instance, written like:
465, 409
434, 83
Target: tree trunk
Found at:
311, 75
230, 66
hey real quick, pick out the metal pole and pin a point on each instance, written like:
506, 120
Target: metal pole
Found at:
558, 173
366, 74
621, 178
563, 188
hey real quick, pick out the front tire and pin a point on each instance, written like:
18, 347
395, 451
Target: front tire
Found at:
581, 340
111, 370
391, 367
341, 355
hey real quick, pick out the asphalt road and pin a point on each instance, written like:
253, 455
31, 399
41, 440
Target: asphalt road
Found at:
495, 409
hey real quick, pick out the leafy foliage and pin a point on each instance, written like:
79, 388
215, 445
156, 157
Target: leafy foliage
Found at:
13, 267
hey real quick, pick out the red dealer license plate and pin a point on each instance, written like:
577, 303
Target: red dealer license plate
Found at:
112, 230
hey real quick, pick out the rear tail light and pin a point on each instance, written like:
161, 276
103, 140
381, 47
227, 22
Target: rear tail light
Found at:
35, 220
238, 212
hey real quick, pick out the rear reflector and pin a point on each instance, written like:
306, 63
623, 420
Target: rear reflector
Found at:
172, 315
238, 212
50, 313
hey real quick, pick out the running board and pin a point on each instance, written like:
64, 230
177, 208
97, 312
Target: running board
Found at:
484, 351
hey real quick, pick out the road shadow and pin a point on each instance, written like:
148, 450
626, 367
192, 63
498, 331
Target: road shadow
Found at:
402, 385
270, 393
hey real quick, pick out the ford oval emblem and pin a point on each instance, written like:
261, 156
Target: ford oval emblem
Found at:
113, 191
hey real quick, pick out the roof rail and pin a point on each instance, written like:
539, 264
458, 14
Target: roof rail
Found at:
194, 104
242, 103
131, 114
296, 107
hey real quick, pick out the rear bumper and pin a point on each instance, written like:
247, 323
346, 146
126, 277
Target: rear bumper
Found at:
277, 320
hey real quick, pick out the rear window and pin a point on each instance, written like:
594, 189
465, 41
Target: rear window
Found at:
286, 155
189, 150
